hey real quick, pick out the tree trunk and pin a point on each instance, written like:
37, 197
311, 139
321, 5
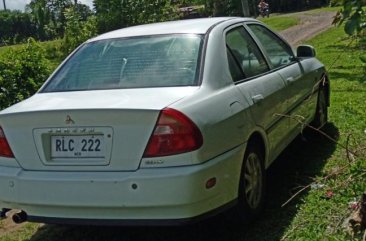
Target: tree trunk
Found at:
245, 6
254, 8
4, 4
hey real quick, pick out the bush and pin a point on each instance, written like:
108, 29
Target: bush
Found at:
53, 52
77, 31
22, 71
335, 3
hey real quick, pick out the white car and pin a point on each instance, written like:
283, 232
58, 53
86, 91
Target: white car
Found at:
158, 124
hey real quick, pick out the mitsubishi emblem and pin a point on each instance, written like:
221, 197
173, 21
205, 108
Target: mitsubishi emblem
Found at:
69, 120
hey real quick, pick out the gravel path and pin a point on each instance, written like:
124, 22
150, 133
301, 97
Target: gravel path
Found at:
310, 25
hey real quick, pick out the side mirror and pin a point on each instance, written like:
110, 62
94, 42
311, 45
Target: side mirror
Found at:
305, 51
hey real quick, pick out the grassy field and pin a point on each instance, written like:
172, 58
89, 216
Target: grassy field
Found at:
284, 21
279, 22
318, 216
318, 213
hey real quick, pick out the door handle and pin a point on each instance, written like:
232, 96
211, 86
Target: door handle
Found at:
289, 80
257, 98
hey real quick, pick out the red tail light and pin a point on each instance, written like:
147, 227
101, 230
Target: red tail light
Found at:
5, 150
174, 133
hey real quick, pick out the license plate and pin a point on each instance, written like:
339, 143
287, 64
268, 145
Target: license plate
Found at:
83, 146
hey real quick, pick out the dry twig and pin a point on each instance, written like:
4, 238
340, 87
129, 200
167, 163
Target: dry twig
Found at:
301, 119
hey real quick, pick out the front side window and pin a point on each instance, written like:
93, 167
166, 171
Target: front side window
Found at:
244, 53
279, 53
159, 61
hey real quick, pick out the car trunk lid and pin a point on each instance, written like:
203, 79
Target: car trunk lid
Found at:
86, 130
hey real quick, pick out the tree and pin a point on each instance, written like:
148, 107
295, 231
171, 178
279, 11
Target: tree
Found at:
77, 30
353, 15
298, 5
224, 7
114, 14
15, 26
245, 6
4, 4
49, 17
83, 10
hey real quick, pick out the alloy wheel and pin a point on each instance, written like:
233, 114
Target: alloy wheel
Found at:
253, 177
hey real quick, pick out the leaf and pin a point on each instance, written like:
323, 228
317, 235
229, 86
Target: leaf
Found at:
350, 27
363, 59
353, 24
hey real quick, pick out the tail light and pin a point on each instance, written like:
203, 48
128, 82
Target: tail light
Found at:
5, 150
174, 133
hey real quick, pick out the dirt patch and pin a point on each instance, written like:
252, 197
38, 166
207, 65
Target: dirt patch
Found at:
311, 24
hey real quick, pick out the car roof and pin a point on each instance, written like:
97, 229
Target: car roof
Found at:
190, 26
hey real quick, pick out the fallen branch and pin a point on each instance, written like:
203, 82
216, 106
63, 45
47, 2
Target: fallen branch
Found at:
303, 124
300, 120
335, 173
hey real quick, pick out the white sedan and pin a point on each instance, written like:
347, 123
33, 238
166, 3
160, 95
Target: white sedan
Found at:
158, 124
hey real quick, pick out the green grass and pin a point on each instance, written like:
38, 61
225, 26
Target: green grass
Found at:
317, 217
326, 9
311, 215
279, 23
284, 21
23, 233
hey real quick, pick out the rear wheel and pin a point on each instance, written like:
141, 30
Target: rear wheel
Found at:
321, 115
252, 184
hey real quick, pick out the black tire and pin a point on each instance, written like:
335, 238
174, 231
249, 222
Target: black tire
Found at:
252, 184
321, 114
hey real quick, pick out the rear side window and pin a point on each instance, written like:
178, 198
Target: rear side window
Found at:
244, 53
279, 53
158, 61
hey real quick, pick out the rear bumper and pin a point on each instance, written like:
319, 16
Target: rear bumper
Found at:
165, 195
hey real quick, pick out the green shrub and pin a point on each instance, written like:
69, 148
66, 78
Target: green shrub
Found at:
53, 52
335, 3
77, 31
22, 71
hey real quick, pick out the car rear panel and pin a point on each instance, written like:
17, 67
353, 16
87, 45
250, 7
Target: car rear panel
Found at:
53, 132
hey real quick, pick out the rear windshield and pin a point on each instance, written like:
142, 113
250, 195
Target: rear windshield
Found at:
159, 61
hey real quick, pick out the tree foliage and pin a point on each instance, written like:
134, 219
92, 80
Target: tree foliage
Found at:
223, 7
114, 14
234, 7
77, 29
22, 71
15, 27
353, 15
46, 19
291, 5
49, 16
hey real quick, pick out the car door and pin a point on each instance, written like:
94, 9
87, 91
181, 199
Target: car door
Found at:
282, 59
262, 88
